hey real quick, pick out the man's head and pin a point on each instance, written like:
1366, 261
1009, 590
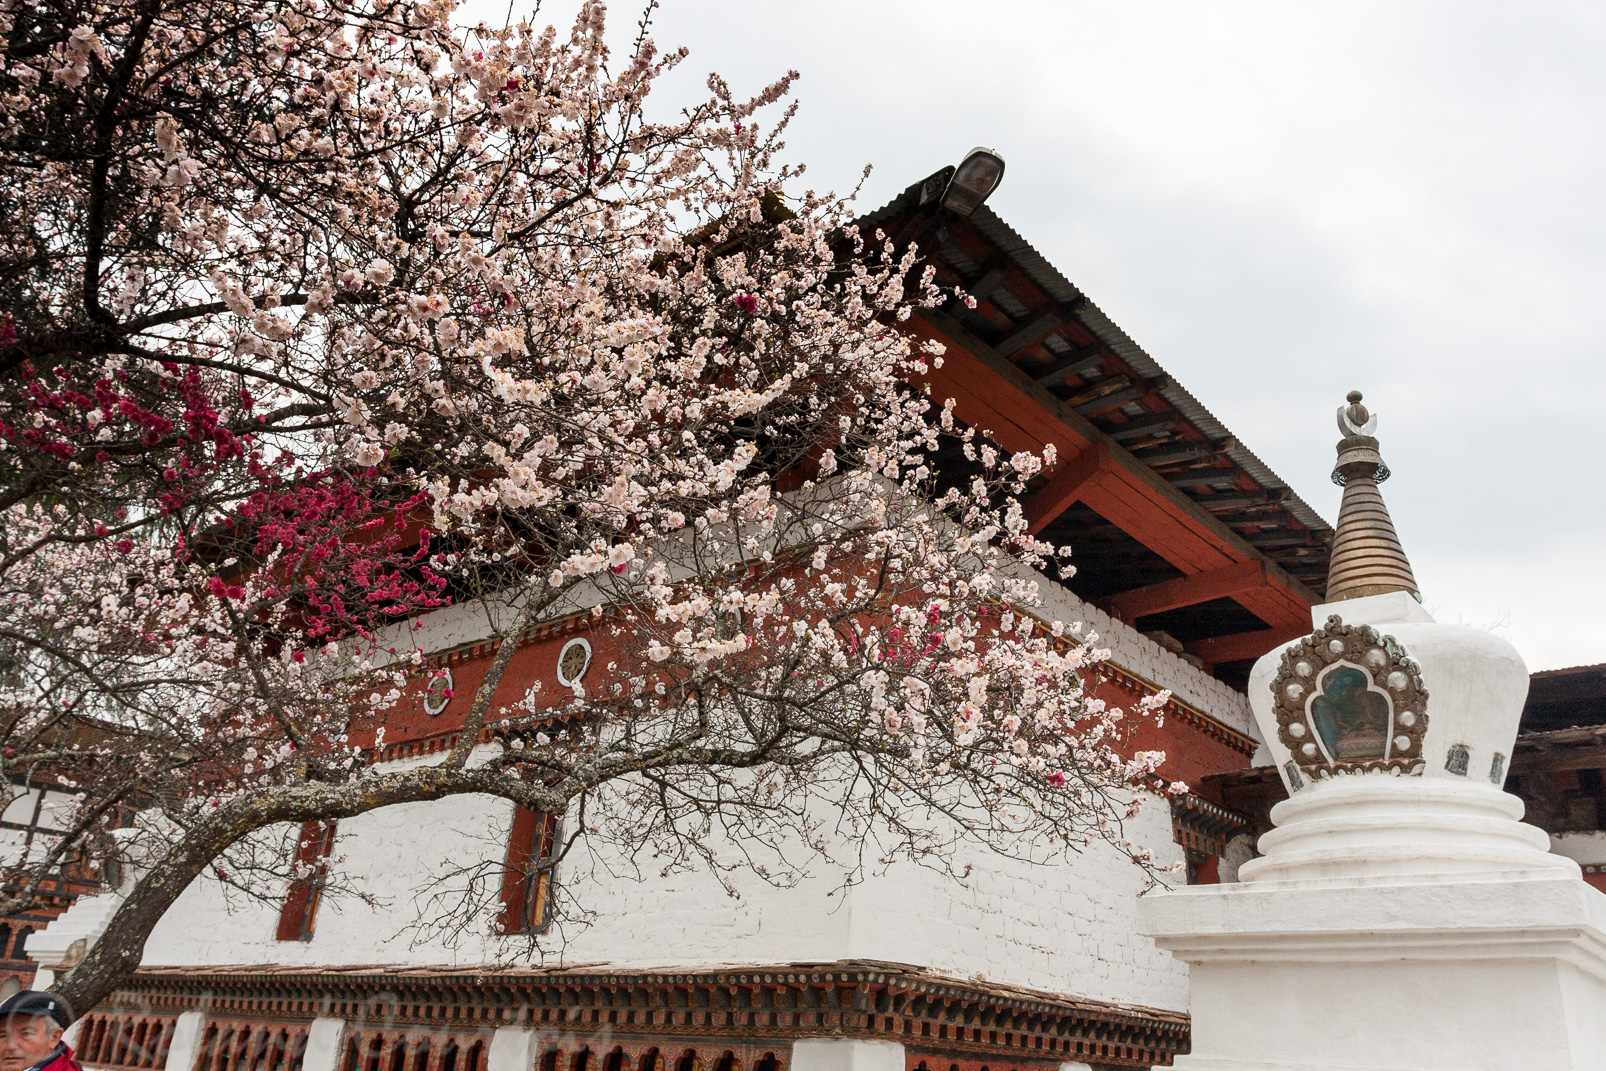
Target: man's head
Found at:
31, 1024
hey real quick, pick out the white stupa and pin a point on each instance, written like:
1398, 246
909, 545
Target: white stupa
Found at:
1401, 915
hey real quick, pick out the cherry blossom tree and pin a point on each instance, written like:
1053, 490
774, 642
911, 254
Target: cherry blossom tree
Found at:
321, 316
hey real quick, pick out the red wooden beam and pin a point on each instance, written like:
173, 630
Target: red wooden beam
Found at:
993, 394
1071, 476
1033, 330
1244, 645
1190, 590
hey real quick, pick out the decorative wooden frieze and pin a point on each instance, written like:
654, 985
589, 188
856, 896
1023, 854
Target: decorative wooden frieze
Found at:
125, 1039
753, 1009
1176, 708
1203, 827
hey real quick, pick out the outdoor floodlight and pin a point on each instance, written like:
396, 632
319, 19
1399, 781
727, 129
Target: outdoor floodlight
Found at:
974, 179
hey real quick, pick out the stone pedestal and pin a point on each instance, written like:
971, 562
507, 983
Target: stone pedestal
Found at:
1504, 971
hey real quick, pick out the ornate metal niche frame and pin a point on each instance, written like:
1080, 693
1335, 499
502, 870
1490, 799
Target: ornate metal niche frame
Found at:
1307, 674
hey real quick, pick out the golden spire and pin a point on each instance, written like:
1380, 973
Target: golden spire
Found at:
1367, 556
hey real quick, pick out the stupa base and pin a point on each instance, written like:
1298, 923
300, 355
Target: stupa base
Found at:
1501, 972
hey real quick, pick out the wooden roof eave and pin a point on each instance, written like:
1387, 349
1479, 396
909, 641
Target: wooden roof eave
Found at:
1007, 243
1003, 260
995, 394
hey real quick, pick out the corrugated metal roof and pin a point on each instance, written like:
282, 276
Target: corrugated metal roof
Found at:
1061, 289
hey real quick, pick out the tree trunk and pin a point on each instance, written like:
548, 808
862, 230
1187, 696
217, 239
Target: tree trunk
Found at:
118, 952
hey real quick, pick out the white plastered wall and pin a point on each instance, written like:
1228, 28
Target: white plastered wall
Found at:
1068, 927
1586, 849
1142, 657
20, 810
467, 623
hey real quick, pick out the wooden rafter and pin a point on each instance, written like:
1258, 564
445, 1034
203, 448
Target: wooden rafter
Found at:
1068, 480
1034, 329
993, 393
1143, 425
1183, 451
1228, 581
1238, 500
1077, 364
1244, 645
1201, 477
983, 288
1113, 401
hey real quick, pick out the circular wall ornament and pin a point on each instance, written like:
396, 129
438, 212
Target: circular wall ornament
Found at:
727, 623
573, 661
1350, 700
438, 693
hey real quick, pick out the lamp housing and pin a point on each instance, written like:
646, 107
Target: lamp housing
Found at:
976, 177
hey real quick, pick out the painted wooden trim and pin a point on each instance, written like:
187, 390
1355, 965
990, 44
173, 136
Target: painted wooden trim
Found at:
1227, 581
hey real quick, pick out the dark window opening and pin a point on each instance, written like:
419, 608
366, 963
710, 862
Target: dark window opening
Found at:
527, 879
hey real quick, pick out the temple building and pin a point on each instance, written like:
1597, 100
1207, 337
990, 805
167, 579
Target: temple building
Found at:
26, 825
1194, 560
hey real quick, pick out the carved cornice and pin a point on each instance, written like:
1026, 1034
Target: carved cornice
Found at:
928, 1013
1176, 708
1205, 827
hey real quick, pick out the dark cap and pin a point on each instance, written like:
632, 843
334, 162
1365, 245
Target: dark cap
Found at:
36, 1003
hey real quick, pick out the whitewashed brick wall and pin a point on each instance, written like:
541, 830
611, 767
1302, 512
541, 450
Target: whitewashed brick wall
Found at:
1067, 928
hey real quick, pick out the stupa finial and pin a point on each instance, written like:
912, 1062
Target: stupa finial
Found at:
1367, 556
1353, 419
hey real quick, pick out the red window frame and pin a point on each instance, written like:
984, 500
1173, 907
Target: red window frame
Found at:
300, 909
527, 875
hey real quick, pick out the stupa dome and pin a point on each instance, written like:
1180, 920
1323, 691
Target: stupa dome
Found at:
1392, 732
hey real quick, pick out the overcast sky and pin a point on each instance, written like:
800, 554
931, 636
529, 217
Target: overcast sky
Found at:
1279, 202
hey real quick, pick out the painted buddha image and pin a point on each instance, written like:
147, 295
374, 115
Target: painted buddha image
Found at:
1351, 718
